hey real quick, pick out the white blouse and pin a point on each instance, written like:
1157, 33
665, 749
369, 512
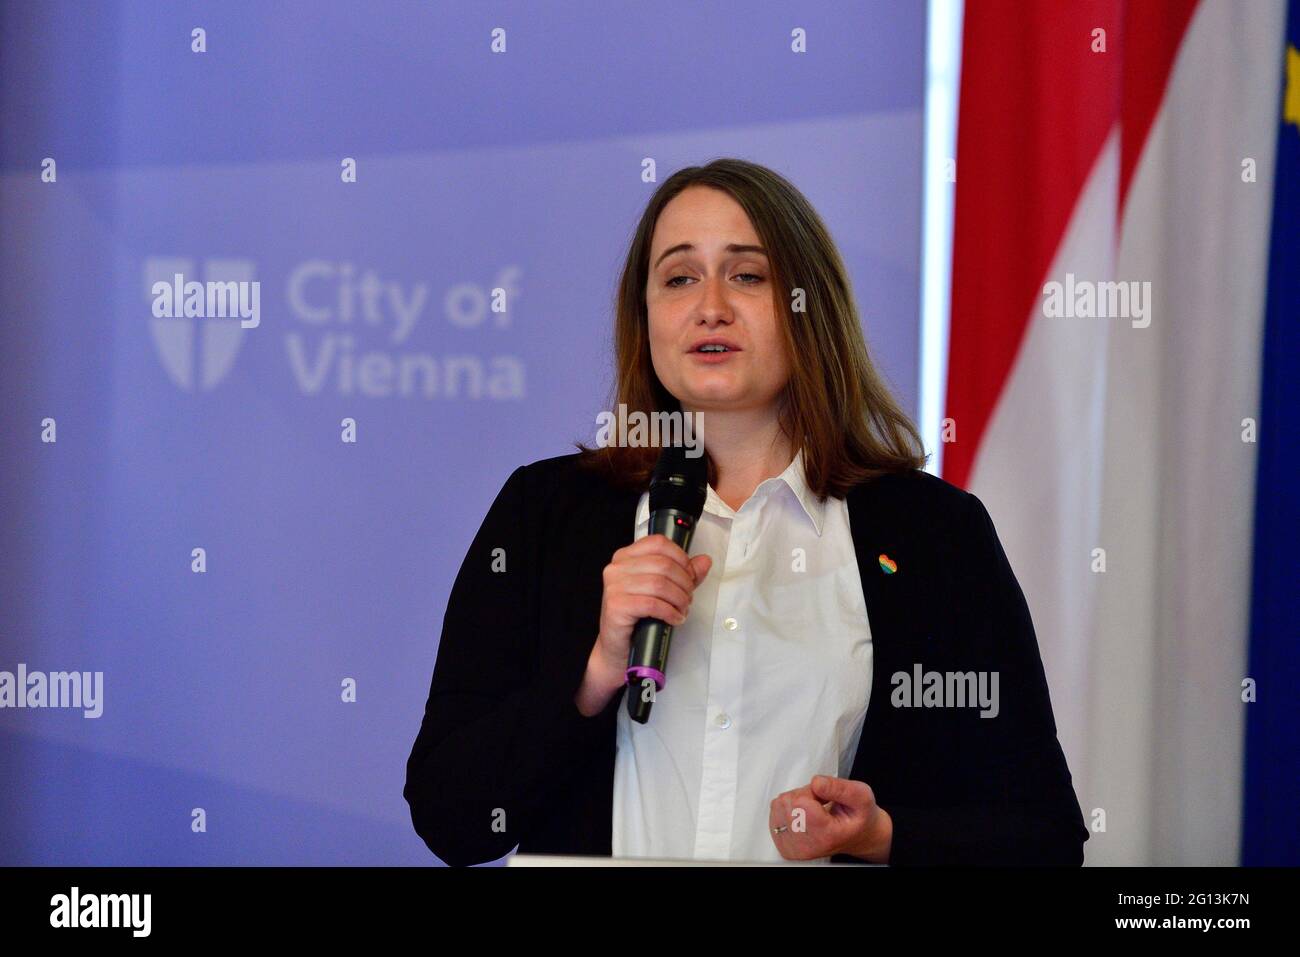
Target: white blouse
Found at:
768, 679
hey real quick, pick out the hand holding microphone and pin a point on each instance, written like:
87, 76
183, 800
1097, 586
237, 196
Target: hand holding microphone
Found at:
653, 578
678, 489
648, 587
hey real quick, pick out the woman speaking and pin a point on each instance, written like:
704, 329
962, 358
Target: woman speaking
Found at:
854, 675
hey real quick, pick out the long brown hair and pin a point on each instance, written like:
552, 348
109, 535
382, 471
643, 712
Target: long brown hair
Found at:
854, 427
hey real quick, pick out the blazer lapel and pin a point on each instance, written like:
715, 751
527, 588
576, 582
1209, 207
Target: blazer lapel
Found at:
878, 538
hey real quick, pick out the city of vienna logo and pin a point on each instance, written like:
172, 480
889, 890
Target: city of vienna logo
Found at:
198, 318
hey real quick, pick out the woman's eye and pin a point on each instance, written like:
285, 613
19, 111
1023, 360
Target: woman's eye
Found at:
672, 283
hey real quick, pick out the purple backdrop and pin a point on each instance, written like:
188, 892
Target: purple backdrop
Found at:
327, 560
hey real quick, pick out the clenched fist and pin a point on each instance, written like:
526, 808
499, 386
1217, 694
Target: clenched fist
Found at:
830, 816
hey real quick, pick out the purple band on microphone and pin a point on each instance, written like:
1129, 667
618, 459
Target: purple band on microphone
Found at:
640, 672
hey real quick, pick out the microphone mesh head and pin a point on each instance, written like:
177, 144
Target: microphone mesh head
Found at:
679, 481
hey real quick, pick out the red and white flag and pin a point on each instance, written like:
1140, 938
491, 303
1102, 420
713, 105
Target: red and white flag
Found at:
1110, 244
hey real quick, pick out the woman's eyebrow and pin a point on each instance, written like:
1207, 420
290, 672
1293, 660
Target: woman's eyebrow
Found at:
687, 247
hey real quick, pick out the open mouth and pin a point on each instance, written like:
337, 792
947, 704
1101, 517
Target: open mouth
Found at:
710, 357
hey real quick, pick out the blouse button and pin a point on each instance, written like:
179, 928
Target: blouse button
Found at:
724, 720
730, 624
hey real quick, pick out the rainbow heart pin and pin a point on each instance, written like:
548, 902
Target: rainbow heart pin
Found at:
887, 564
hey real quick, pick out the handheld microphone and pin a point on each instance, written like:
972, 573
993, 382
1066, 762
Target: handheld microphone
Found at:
678, 489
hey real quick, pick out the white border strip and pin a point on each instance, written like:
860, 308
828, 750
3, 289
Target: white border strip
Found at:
943, 76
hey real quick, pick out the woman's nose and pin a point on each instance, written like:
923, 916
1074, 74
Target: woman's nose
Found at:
713, 297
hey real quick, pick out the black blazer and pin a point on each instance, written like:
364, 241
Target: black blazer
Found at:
503, 756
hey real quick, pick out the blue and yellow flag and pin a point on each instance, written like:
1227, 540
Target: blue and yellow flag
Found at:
1270, 835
